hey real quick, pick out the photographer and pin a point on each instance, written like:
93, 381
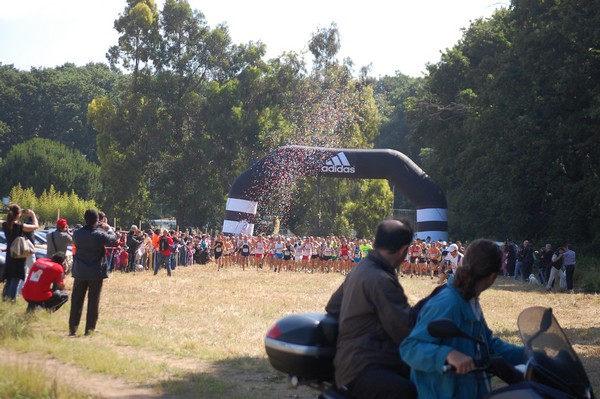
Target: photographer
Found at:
38, 289
89, 270
14, 270
59, 239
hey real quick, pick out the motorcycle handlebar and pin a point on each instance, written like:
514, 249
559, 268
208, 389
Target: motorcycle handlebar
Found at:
448, 368
496, 365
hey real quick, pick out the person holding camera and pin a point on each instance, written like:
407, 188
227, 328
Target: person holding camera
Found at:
59, 239
45, 274
14, 270
89, 270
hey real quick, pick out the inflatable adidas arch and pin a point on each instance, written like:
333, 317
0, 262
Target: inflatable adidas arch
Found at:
299, 161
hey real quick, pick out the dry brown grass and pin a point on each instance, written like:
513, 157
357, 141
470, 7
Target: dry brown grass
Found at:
200, 333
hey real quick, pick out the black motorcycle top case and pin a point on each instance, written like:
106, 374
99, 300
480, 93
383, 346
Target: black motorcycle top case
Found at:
303, 345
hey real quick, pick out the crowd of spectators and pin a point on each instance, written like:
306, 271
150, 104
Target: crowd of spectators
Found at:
543, 266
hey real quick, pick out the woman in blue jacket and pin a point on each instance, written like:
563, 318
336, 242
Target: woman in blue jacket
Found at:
459, 302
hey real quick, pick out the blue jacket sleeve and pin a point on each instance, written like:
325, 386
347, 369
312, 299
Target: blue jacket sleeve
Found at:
420, 350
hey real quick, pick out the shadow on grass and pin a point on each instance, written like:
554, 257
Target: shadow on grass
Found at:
510, 284
233, 378
237, 378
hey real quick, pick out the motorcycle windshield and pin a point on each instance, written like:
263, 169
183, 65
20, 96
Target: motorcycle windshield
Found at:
553, 353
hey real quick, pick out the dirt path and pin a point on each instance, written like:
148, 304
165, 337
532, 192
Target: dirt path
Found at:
248, 383
98, 385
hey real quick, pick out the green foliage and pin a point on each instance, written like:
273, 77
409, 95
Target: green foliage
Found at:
51, 204
324, 45
509, 116
40, 163
52, 104
392, 93
506, 122
587, 273
137, 26
339, 206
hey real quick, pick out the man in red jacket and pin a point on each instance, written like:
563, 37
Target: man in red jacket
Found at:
163, 257
45, 275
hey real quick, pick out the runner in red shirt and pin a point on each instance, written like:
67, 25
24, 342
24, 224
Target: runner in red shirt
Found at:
415, 253
38, 289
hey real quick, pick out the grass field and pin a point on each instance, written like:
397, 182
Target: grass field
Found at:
200, 334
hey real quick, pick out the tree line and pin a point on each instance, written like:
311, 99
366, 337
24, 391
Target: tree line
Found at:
505, 123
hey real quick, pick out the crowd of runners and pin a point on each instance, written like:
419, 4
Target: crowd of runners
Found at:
278, 253
426, 258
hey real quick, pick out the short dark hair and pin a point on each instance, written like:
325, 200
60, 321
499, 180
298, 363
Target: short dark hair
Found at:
59, 257
393, 234
90, 217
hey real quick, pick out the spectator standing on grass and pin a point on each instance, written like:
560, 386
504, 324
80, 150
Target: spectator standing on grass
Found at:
59, 239
511, 258
569, 261
163, 256
556, 270
174, 249
43, 276
546, 262
89, 270
123, 258
526, 257
14, 270
134, 239
155, 238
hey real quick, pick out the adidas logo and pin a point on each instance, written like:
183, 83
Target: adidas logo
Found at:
338, 164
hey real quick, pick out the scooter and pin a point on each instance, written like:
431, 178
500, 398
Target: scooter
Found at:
303, 347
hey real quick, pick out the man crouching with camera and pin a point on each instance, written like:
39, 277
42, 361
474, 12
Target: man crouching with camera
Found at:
45, 275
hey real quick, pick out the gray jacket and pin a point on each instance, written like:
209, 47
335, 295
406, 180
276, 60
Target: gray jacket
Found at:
373, 314
62, 240
89, 252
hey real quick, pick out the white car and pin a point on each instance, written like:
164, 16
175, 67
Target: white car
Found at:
40, 249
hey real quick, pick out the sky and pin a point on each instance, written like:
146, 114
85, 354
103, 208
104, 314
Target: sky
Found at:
391, 36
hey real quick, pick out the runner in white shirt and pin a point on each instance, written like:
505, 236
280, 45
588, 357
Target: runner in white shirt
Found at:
454, 261
259, 252
306, 255
278, 253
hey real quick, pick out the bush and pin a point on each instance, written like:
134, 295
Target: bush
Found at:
51, 203
587, 273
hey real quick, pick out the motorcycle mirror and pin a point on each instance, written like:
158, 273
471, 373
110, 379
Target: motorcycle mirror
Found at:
546, 321
444, 328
